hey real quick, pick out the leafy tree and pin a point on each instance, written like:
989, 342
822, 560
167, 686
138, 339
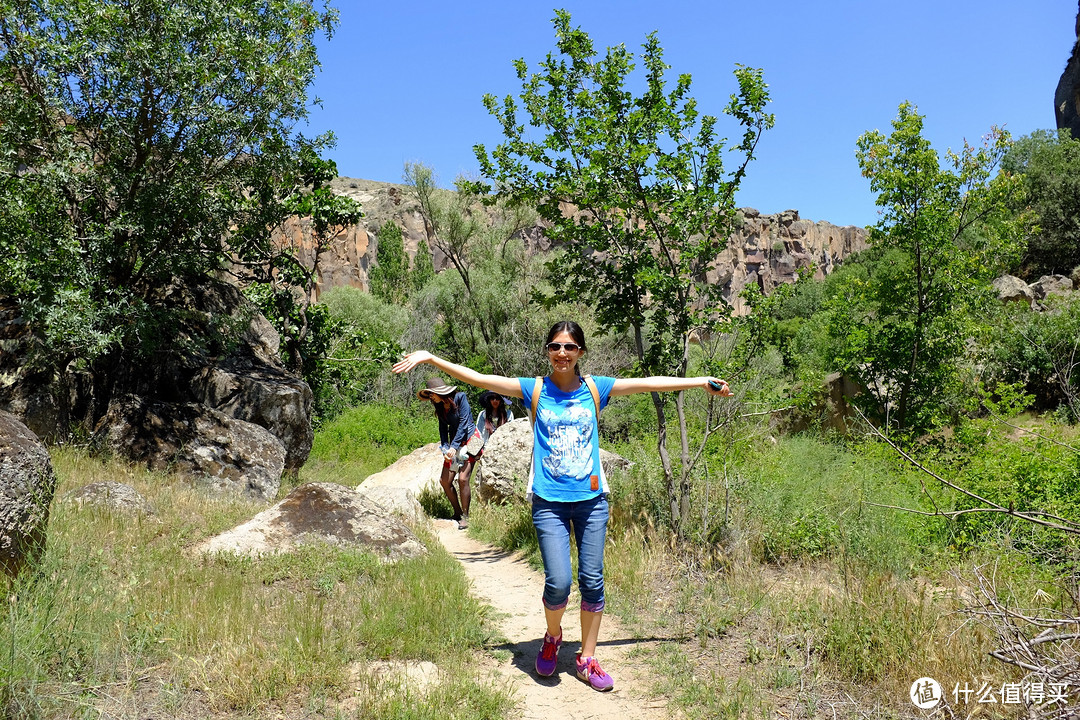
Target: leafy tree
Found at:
943, 234
474, 232
423, 266
1049, 164
635, 188
390, 277
147, 143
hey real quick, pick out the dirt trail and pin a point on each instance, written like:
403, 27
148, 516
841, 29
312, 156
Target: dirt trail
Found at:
513, 589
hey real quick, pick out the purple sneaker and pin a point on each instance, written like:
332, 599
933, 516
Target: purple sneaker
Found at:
549, 655
589, 670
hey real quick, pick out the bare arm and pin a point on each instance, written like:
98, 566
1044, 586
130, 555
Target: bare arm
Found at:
663, 383
496, 383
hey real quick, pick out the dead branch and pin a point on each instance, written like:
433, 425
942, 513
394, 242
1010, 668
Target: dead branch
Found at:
1036, 517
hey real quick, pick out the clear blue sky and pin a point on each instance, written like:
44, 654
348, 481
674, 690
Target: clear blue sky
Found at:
403, 81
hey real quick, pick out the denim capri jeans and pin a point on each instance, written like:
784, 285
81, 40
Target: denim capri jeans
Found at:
553, 522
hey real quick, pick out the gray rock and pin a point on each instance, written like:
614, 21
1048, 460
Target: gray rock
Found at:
1067, 93
195, 441
320, 512
398, 486
267, 397
112, 496
27, 484
503, 471
1012, 289
1051, 285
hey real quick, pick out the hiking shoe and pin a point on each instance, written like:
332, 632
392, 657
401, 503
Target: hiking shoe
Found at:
589, 670
463, 523
549, 655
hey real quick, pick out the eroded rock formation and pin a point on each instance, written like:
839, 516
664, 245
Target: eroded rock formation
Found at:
766, 250
1067, 95
27, 484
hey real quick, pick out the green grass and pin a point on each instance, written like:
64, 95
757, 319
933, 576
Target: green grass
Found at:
364, 440
802, 589
118, 604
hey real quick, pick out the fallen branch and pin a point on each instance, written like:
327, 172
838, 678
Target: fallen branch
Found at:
1037, 517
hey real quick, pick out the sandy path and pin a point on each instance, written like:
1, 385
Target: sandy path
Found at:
513, 589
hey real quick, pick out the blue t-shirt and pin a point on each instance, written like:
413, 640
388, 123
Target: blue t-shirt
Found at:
566, 441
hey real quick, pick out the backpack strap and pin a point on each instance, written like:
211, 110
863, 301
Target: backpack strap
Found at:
535, 398
591, 384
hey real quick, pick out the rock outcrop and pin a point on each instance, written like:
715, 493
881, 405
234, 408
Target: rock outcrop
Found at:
222, 358
27, 484
320, 512
1067, 95
198, 442
766, 249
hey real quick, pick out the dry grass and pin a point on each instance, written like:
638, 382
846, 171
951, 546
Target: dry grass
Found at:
123, 620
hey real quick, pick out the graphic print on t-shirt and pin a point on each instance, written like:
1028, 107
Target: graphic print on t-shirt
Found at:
570, 437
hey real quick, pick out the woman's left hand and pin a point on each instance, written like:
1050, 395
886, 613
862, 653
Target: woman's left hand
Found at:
411, 360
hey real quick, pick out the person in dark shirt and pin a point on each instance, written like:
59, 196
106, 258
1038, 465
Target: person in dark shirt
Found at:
456, 427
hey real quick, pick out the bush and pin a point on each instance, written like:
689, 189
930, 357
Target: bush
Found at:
1037, 350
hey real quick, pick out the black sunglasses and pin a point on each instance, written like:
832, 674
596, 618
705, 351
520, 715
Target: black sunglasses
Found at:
568, 347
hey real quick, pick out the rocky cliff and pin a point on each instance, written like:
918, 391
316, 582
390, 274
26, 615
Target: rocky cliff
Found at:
767, 249
1067, 97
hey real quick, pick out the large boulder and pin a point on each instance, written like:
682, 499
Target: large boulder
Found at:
266, 396
242, 377
1051, 285
27, 484
1010, 288
398, 487
503, 471
320, 512
1067, 93
195, 441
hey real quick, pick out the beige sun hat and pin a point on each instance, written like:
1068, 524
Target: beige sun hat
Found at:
436, 386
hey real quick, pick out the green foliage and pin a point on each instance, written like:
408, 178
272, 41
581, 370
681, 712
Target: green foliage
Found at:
390, 279
423, 266
1038, 351
304, 352
480, 306
944, 232
805, 499
634, 187
1016, 470
1049, 166
145, 144
620, 159
365, 439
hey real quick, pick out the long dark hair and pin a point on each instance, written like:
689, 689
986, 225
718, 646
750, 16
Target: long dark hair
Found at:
450, 405
575, 331
499, 416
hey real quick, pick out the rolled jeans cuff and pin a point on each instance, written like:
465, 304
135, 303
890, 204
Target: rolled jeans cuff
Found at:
594, 607
560, 606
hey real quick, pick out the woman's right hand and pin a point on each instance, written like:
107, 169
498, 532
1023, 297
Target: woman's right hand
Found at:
411, 360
